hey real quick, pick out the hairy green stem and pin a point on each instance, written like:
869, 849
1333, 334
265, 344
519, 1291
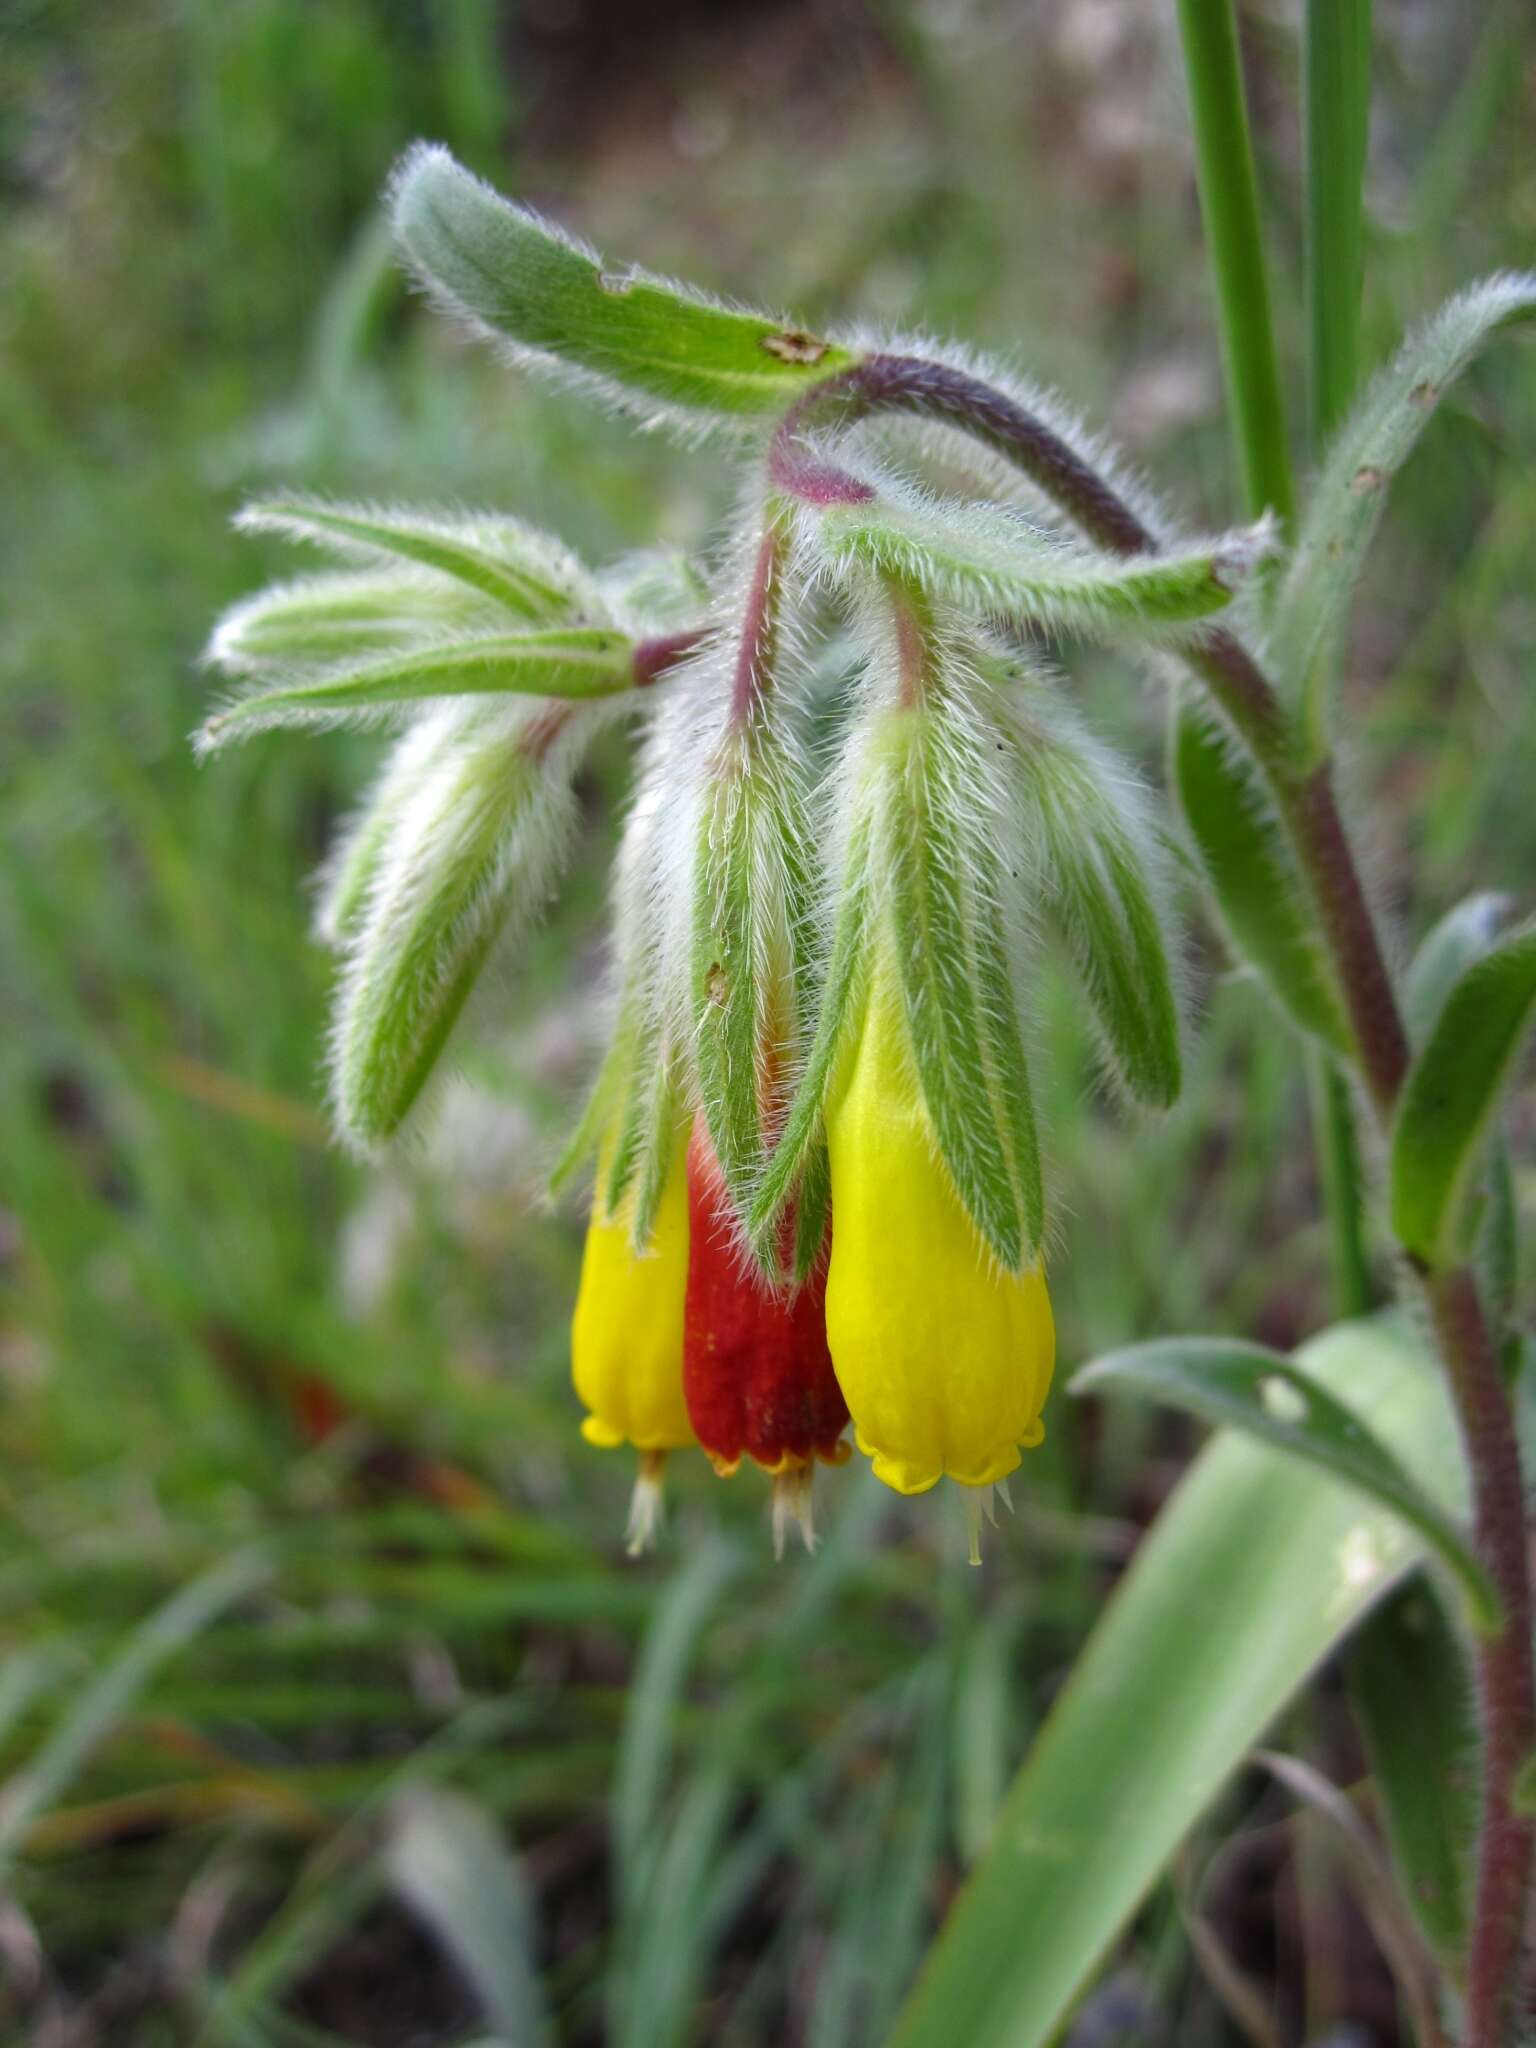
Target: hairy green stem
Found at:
1309, 810
1506, 1838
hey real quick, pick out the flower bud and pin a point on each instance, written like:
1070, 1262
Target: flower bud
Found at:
756, 1367
944, 1357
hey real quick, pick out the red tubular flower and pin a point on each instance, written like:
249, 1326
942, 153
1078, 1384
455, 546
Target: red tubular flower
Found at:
757, 1374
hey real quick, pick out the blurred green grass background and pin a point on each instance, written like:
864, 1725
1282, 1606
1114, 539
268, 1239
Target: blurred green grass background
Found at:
441, 1765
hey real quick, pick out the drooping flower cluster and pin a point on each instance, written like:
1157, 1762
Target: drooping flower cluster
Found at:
862, 800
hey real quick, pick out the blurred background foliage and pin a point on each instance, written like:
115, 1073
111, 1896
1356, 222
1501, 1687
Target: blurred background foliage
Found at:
424, 1760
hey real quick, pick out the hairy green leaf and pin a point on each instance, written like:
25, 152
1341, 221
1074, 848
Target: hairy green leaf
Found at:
480, 840
1312, 605
974, 554
842, 986
1463, 935
571, 662
525, 281
1259, 895
748, 968
946, 896
353, 862
1412, 1692
1104, 868
1452, 1092
1254, 1570
336, 614
524, 571
1246, 1386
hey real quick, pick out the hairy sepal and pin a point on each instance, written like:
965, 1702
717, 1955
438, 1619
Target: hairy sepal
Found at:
341, 615
644, 1079
471, 857
796, 1167
1345, 506
1106, 881
567, 662
996, 562
954, 862
751, 919
346, 880
637, 338
520, 569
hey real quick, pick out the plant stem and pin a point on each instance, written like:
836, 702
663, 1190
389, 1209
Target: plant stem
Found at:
1336, 100
1506, 1838
1336, 111
1309, 810
1229, 202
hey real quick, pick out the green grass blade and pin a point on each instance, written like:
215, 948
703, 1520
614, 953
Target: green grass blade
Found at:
523, 280
1236, 1385
447, 1860
1336, 98
96, 1711
1452, 1093
655, 1693
1229, 202
1257, 1567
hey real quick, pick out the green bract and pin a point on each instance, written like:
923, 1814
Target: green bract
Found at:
637, 336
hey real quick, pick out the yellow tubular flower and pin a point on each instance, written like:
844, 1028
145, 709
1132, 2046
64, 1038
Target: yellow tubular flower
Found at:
944, 1361
627, 1334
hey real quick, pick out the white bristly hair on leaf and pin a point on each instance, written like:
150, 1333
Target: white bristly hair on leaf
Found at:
470, 858
1108, 881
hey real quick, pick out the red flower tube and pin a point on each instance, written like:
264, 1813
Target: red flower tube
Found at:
757, 1374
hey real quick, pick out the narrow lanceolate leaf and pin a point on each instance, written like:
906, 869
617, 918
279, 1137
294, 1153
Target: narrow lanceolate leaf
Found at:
802, 1137
948, 908
1255, 1570
326, 618
476, 847
1345, 505
1245, 1386
979, 556
1466, 932
522, 570
563, 661
1259, 895
1411, 1689
347, 877
1107, 881
1451, 1095
636, 335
